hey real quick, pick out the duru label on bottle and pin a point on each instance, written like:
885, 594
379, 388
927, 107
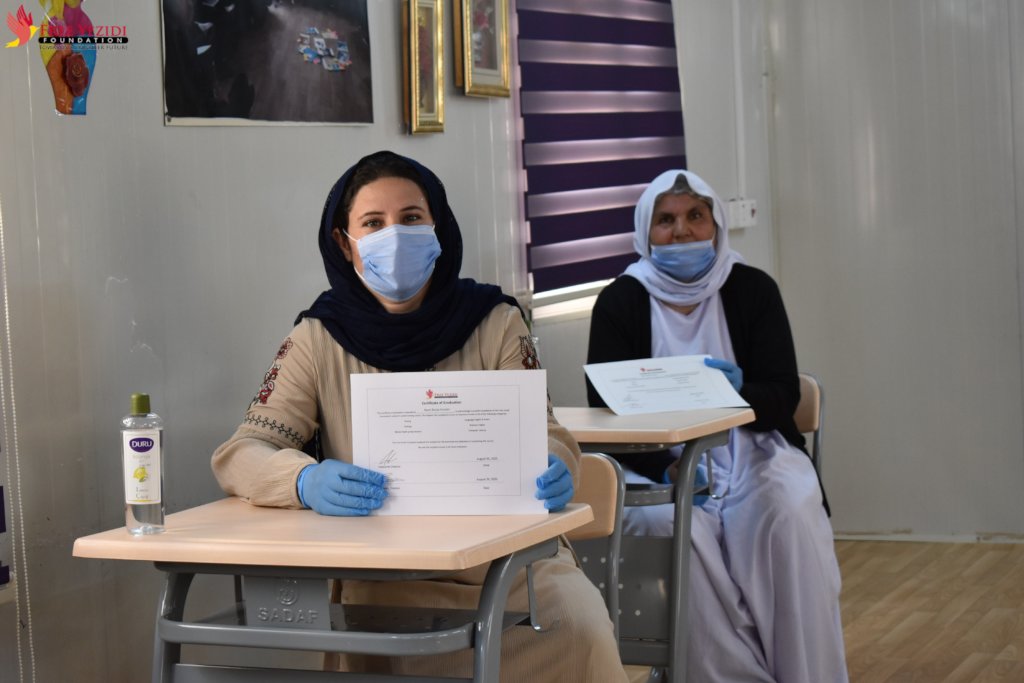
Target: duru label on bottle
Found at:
140, 453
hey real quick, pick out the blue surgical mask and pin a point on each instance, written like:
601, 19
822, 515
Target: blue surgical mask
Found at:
687, 261
398, 260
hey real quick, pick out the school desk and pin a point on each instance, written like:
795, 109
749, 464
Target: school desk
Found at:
285, 558
654, 572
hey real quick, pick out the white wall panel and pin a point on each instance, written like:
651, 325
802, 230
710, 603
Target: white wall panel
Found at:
1016, 28
171, 260
898, 235
725, 110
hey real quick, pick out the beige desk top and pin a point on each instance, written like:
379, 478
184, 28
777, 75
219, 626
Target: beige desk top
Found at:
230, 531
601, 425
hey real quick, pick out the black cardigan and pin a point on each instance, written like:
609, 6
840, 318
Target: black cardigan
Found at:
620, 329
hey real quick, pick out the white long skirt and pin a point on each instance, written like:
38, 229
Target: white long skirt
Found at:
764, 580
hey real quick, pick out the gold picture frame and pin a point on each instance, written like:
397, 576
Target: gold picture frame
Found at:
423, 65
481, 47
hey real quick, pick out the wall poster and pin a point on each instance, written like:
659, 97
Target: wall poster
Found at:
239, 62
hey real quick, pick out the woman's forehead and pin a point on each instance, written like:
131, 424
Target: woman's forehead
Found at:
391, 189
680, 201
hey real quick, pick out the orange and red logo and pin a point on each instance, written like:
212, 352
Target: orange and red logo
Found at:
21, 26
431, 394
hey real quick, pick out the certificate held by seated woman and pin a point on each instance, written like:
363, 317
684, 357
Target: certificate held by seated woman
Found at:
453, 443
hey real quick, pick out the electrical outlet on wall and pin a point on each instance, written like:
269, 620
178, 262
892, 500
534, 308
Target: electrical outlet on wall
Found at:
742, 213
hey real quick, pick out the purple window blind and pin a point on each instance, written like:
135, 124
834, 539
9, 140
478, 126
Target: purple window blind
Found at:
602, 116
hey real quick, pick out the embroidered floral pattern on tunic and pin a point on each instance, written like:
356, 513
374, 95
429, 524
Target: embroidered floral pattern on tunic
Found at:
529, 353
274, 426
267, 388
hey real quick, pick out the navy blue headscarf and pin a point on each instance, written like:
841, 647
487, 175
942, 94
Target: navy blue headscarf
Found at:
412, 341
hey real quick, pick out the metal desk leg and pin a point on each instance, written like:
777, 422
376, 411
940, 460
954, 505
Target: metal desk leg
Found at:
486, 641
678, 617
491, 609
172, 605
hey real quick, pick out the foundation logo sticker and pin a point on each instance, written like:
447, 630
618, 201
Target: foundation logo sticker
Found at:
439, 395
21, 26
68, 43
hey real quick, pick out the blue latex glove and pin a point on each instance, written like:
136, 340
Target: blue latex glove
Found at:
732, 372
337, 488
554, 485
700, 480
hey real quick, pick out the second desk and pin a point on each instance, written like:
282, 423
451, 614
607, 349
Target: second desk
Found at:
601, 430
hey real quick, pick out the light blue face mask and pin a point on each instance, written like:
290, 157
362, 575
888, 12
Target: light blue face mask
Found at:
686, 261
398, 260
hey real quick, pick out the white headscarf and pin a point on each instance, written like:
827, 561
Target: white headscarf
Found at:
659, 284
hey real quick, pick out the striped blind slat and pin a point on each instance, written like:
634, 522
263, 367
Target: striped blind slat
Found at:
602, 116
541, 25
547, 76
642, 10
546, 180
556, 127
579, 226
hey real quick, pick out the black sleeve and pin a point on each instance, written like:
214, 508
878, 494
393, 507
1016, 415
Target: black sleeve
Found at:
763, 344
620, 329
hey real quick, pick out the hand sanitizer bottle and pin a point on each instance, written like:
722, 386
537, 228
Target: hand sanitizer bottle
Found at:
142, 449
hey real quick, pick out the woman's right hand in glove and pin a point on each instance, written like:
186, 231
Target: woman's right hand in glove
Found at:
337, 488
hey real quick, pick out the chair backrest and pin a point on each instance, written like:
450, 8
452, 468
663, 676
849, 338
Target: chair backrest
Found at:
810, 413
603, 489
598, 543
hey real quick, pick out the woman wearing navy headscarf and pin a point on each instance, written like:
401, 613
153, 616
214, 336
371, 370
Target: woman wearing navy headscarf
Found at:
392, 251
764, 581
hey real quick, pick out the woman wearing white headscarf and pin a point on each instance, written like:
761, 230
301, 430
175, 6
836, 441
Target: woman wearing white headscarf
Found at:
764, 581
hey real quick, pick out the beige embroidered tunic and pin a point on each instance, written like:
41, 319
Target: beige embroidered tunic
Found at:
307, 387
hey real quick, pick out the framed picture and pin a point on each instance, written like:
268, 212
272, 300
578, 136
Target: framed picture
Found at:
423, 50
257, 63
481, 47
